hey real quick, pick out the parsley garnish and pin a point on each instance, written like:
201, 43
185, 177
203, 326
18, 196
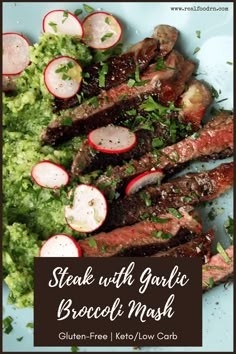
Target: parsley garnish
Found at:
161, 234
93, 101
129, 170
175, 213
195, 135
157, 142
67, 121
53, 25
65, 16
160, 65
196, 50
30, 325
160, 220
92, 242
229, 63
198, 34
229, 227
88, 8
107, 20
211, 282
222, 252
106, 36
102, 74
146, 198
78, 12
7, 324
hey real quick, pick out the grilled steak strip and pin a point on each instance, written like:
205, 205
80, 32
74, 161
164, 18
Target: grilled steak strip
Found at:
119, 67
142, 238
196, 100
190, 189
215, 137
217, 271
197, 247
166, 36
111, 106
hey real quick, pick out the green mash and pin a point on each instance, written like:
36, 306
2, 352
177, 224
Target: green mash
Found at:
32, 214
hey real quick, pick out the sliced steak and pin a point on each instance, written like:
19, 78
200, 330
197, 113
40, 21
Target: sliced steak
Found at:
111, 106
119, 68
190, 189
144, 238
217, 270
214, 138
166, 36
200, 246
169, 129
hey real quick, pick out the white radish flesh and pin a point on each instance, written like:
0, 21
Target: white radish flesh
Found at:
15, 53
89, 209
143, 180
60, 246
62, 77
112, 139
49, 175
101, 30
62, 22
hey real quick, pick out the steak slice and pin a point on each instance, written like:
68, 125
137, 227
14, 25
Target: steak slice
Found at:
200, 246
190, 189
214, 138
142, 238
111, 106
194, 101
217, 270
166, 36
119, 68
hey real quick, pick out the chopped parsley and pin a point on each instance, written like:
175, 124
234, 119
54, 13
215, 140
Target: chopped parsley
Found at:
92, 242
212, 214
131, 112
157, 142
186, 199
229, 228
214, 92
159, 220
196, 50
104, 248
222, 252
65, 16
229, 63
19, 339
67, 121
175, 213
93, 101
7, 324
198, 34
161, 234
146, 198
131, 83
195, 135
53, 25
88, 8
106, 36
29, 325
102, 74
129, 170
107, 20
210, 282
160, 65
78, 12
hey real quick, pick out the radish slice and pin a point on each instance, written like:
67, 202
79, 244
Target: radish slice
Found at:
62, 77
15, 53
143, 180
89, 209
49, 175
60, 246
112, 139
62, 22
101, 30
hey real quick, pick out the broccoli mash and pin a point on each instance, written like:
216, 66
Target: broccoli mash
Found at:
32, 214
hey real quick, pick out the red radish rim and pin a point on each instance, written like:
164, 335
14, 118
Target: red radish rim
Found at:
53, 163
20, 35
134, 180
108, 14
109, 151
106, 206
81, 24
80, 253
44, 75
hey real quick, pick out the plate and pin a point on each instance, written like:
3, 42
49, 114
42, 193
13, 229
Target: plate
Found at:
215, 23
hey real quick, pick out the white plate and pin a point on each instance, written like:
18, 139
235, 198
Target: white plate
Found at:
216, 48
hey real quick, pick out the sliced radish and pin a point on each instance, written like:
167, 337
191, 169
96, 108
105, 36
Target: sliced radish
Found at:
62, 22
60, 246
15, 53
62, 77
112, 139
89, 209
49, 175
143, 180
101, 30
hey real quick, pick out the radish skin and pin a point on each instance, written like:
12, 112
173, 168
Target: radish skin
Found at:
15, 53
143, 180
60, 245
101, 30
49, 175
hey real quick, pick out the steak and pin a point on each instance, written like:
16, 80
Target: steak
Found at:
169, 128
144, 238
217, 270
214, 138
166, 36
118, 69
111, 106
199, 246
190, 189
